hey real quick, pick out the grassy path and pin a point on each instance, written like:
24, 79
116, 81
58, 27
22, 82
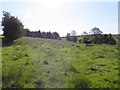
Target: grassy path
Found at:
51, 64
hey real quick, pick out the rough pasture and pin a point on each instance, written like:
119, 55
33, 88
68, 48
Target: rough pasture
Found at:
45, 63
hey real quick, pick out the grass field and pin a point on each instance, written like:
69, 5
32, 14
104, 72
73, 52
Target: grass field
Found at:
44, 63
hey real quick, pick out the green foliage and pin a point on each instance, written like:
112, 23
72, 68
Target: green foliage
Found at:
104, 39
97, 37
111, 40
12, 26
85, 38
100, 39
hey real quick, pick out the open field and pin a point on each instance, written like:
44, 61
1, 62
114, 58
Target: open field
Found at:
44, 63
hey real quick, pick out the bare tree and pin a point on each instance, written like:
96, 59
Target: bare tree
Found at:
85, 33
73, 33
95, 31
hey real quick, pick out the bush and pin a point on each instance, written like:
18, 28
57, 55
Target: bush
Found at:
111, 40
73, 38
100, 39
85, 39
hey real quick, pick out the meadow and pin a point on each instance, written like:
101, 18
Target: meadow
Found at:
46, 63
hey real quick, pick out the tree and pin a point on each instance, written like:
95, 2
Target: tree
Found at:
73, 33
97, 39
43, 34
95, 31
68, 37
39, 34
12, 26
97, 35
49, 35
55, 35
85, 37
85, 33
27, 32
72, 37
105, 38
111, 40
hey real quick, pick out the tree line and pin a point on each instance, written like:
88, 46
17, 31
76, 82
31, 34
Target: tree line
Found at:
13, 29
39, 34
96, 36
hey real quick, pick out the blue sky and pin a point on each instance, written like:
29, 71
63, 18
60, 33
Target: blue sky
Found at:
64, 16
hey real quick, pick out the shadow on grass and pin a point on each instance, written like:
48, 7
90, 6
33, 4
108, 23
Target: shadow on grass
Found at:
7, 42
78, 81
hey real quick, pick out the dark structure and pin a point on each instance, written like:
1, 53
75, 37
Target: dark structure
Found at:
87, 43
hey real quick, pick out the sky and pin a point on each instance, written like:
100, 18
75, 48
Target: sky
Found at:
64, 16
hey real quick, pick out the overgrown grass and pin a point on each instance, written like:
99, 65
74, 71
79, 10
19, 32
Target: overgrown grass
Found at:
44, 63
